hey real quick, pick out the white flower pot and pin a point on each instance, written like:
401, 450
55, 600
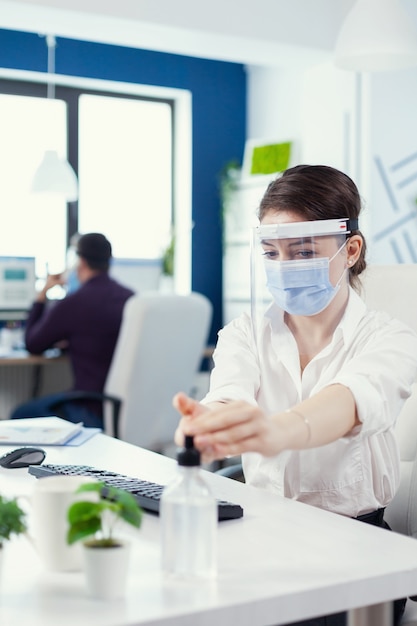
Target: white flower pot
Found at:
106, 570
166, 284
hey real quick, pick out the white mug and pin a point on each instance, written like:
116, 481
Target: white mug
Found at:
50, 500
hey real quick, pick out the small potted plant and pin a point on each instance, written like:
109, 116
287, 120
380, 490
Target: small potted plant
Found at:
166, 280
12, 521
105, 555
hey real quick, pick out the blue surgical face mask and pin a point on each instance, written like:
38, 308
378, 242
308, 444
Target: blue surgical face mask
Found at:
302, 287
73, 282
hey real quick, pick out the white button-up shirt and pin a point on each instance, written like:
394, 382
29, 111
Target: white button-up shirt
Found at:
373, 355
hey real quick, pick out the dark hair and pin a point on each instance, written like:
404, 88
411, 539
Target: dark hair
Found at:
96, 250
317, 192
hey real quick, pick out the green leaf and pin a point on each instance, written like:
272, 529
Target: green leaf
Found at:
82, 529
95, 486
130, 512
83, 511
86, 517
12, 518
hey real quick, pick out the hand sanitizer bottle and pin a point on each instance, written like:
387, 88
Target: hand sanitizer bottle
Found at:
188, 513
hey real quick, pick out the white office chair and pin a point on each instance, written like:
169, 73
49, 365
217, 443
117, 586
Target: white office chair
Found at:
158, 353
393, 289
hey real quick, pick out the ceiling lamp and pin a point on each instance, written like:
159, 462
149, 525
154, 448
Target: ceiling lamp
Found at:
54, 175
377, 35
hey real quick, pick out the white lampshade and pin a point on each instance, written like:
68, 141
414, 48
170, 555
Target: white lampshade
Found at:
377, 35
55, 175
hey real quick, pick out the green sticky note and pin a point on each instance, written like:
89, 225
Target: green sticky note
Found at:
271, 158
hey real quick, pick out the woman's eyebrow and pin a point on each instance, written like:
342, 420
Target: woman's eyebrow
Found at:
291, 242
302, 240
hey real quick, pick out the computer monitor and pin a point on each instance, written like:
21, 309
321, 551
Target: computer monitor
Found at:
139, 274
17, 285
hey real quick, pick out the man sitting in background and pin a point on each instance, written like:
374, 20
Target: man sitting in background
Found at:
86, 322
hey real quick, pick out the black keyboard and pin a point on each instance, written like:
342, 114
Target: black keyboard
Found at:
146, 493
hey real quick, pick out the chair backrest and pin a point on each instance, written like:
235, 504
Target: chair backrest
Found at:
393, 288
158, 353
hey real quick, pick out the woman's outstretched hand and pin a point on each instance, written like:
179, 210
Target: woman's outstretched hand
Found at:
221, 429
189, 409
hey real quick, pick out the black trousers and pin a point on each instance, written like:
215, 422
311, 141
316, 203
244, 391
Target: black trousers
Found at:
376, 518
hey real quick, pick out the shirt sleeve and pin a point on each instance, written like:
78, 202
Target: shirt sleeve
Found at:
46, 326
381, 373
236, 374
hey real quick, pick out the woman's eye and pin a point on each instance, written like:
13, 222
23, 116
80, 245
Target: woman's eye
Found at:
305, 254
271, 254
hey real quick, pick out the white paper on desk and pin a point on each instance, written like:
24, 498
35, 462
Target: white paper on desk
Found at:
52, 431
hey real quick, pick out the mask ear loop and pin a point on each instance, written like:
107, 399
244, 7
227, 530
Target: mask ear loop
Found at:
334, 256
338, 250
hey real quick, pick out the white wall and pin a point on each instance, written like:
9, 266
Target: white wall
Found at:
274, 102
315, 106
393, 166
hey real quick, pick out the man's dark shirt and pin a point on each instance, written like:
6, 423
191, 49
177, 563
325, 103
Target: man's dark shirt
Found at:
89, 321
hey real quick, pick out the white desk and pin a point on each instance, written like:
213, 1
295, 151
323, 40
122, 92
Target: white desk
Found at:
284, 561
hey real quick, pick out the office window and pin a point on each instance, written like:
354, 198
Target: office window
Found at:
31, 225
135, 179
125, 173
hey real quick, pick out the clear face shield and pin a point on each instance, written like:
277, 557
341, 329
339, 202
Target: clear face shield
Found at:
293, 266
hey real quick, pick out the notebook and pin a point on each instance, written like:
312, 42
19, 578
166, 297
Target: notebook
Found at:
53, 431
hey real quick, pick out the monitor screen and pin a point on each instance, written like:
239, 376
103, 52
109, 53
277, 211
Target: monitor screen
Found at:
139, 274
17, 283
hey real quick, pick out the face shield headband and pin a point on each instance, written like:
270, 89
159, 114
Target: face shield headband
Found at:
316, 228
300, 286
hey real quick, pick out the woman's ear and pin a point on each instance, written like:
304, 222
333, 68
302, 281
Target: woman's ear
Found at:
353, 249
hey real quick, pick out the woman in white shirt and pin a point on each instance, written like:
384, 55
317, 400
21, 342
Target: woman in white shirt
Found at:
310, 391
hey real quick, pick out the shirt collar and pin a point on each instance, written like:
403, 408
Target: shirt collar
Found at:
354, 312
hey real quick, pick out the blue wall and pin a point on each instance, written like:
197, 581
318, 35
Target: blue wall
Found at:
219, 122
